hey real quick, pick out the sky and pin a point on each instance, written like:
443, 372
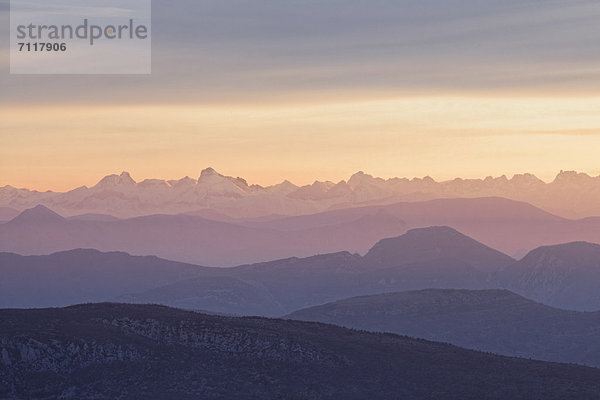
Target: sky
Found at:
312, 89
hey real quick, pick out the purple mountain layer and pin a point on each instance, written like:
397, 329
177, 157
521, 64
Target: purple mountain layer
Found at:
511, 227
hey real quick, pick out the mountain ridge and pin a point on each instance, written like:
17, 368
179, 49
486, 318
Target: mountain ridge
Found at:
433, 243
114, 350
571, 194
497, 321
214, 239
564, 274
275, 287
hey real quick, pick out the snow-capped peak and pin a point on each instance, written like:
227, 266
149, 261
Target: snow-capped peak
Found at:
284, 187
209, 172
183, 182
571, 177
117, 180
214, 183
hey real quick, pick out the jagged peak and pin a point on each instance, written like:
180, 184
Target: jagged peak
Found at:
526, 178
153, 183
285, 188
124, 179
287, 183
361, 178
209, 177
242, 182
326, 184
185, 181
571, 176
210, 174
209, 171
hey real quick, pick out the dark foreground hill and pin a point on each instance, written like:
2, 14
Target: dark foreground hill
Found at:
497, 321
107, 351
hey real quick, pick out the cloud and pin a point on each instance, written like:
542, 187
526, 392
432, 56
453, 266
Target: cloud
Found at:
569, 132
246, 50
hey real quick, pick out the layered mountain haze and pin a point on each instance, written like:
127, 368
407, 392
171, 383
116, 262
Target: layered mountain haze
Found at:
287, 285
216, 240
435, 257
356, 238
506, 225
570, 194
496, 321
80, 276
190, 238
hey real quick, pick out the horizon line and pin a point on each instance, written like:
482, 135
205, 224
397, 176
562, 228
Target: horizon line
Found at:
208, 170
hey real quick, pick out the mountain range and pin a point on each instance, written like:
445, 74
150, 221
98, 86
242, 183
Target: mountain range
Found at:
106, 351
565, 280
434, 257
570, 195
189, 238
509, 226
496, 321
564, 275
81, 276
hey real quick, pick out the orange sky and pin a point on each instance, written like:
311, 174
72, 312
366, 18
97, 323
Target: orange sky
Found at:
59, 148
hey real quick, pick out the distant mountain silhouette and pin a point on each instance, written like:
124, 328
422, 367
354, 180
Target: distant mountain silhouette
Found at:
300, 282
93, 217
433, 243
129, 351
565, 276
38, 214
270, 288
218, 294
189, 238
497, 321
82, 276
508, 226
570, 194
278, 287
